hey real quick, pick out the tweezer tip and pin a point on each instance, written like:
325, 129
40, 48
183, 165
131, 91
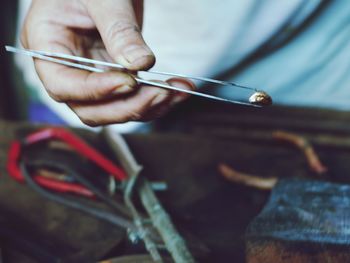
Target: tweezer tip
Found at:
11, 49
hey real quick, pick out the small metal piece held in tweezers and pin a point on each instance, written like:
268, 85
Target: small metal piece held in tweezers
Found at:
257, 99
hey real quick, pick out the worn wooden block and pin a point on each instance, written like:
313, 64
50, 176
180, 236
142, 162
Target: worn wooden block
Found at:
304, 221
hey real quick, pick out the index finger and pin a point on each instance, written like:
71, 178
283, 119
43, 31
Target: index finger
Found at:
64, 83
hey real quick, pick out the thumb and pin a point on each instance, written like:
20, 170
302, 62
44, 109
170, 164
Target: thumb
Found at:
120, 32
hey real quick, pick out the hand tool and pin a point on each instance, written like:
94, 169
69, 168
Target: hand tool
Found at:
257, 98
160, 219
153, 236
18, 169
17, 166
70, 140
110, 217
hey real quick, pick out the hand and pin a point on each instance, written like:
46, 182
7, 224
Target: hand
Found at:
106, 30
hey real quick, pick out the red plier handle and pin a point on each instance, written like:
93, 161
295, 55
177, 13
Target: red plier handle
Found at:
75, 143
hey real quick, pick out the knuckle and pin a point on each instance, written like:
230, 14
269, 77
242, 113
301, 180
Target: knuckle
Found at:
134, 115
121, 29
93, 95
90, 91
56, 95
125, 117
92, 122
98, 94
136, 112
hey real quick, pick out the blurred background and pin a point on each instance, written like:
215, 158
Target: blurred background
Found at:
296, 51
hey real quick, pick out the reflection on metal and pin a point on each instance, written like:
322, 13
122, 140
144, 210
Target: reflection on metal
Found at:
75, 61
260, 98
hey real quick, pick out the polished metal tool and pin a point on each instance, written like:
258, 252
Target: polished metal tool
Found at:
258, 98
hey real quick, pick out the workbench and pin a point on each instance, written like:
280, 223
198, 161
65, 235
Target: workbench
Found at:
185, 153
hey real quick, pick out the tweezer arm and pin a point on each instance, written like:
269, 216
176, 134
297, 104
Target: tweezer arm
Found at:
62, 59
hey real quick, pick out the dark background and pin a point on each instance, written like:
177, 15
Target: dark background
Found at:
12, 91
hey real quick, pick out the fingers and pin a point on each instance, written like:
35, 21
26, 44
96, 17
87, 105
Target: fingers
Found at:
148, 103
68, 84
130, 108
176, 98
97, 98
61, 82
181, 83
120, 32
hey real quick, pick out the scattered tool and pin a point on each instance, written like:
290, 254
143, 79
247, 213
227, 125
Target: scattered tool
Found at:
257, 98
18, 168
160, 219
159, 235
71, 141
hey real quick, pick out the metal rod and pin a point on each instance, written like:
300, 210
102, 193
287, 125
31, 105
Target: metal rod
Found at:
160, 219
53, 57
162, 222
142, 231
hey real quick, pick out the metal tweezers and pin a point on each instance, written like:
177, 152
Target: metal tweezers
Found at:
258, 98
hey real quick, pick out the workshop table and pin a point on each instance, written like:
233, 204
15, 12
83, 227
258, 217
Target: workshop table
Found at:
200, 201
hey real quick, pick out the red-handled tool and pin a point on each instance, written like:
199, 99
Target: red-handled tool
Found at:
73, 142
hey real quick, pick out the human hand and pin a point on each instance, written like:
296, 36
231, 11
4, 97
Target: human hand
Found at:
107, 30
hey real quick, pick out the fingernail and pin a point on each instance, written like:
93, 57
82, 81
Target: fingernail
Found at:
123, 89
183, 84
136, 52
177, 99
180, 96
